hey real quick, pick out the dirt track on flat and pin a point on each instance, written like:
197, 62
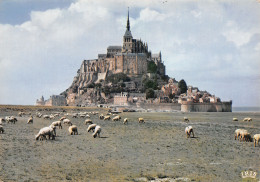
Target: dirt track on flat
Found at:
132, 152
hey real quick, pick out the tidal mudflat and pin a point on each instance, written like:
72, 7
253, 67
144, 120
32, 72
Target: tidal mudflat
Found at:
155, 150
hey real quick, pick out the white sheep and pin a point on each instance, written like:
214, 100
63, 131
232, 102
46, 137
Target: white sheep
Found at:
235, 119
256, 139
247, 119
97, 131
2, 120
30, 120
62, 118
186, 119
107, 118
188, 131
237, 133
91, 127
117, 118
125, 121
1, 129
11, 119
67, 121
101, 116
46, 117
243, 135
88, 121
73, 130
75, 115
46, 131
141, 120
57, 123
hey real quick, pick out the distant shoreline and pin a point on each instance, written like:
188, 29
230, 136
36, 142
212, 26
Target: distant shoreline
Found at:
245, 109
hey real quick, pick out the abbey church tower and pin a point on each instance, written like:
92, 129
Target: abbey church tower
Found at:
128, 38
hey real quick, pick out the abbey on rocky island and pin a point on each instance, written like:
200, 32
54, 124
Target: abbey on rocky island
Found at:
131, 76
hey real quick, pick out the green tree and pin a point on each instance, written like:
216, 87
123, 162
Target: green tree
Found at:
149, 93
183, 86
150, 84
115, 78
151, 67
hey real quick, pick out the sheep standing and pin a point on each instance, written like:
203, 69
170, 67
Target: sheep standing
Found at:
67, 121
57, 123
186, 119
235, 119
256, 139
101, 116
2, 120
247, 119
117, 118
46, 131
91, 127
245, 136
30, 120
125, 121
188, 131
97, 131
73, 130
11, 119
141, 120
237, 133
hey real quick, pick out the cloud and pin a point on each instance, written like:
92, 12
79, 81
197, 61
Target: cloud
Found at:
212, 45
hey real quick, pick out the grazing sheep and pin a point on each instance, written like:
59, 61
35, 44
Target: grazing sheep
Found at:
1, 129
57, 123
30, 120
75, 115
91, 127
107, 118
101, 116
125, 121
235, 119
62, 118
186, 119
117, 118
247, 119
21, 114
52, 116
46, 131
46, 117
73, 130
2, 120
88, 121
188, 131
97, 131
237, 133
87, 116
245, 136
11, 119
82, 116
141, 120
256, 139
67, 121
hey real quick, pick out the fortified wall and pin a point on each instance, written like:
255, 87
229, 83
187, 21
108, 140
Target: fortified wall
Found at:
207, 107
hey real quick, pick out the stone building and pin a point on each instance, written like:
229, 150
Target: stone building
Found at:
131, 58
54, 100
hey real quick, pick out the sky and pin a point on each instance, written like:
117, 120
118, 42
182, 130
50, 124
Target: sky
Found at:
211, 44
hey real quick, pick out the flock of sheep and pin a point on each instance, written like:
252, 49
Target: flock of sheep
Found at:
49, 132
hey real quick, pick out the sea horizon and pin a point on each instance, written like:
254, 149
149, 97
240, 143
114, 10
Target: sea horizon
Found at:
245, 109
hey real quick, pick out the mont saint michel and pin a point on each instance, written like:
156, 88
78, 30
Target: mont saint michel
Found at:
130, 76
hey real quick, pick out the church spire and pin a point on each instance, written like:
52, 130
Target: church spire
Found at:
128, 22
